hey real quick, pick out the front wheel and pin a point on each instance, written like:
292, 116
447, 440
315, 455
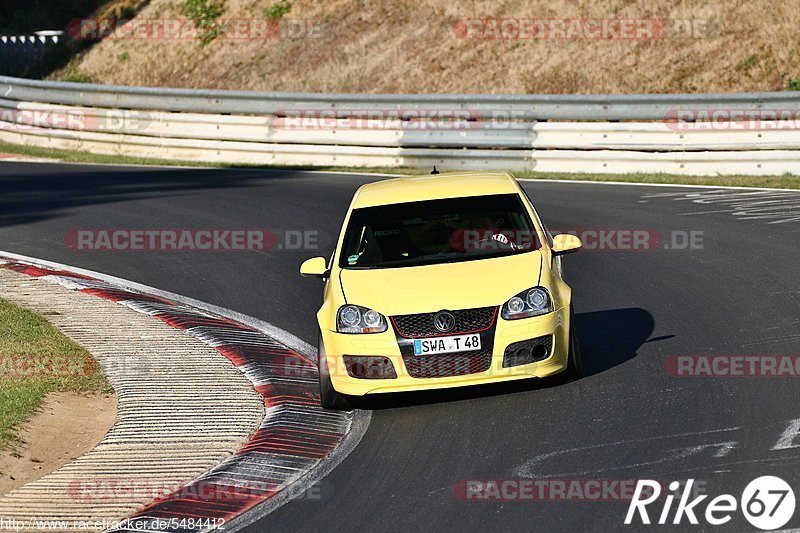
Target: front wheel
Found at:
574, 368
329, 397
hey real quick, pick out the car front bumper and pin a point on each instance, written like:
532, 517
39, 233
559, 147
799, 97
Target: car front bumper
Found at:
506, 332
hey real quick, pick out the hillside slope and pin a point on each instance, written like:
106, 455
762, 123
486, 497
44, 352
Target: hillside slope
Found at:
437, 46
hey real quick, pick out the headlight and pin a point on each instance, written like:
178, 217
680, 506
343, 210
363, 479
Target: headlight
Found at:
356, 319
532, 302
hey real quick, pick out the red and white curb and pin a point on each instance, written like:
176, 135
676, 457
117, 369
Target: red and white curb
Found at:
298, 442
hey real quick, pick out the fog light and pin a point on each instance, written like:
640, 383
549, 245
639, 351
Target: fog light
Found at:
528, 351
369, 367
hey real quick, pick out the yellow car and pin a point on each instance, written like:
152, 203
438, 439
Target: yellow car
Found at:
442, 281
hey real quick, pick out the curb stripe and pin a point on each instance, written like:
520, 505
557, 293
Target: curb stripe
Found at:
295, 436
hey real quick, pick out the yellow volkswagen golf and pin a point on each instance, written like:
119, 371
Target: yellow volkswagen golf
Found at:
442, 281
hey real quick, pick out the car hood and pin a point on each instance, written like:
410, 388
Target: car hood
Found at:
423, 289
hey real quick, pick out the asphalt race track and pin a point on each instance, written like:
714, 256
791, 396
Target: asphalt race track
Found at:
735, 293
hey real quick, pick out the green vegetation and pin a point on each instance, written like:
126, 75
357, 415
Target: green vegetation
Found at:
125, 12
35, 360
77, 77
793, 84
747, 64
781, 182
205, 14
277, 10
72, 72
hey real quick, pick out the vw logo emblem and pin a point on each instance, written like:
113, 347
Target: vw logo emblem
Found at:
444, 321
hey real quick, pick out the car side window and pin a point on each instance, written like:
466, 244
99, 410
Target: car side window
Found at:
538, 218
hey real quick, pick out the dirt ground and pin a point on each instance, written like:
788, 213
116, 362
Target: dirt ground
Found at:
68, 425
474, 46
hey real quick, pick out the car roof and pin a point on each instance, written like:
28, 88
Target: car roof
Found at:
434, 187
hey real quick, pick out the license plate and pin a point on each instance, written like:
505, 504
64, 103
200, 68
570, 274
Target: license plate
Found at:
452, 344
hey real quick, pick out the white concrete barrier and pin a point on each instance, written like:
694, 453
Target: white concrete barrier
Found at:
308, 135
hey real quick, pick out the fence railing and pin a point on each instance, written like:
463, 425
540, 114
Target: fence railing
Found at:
523, 107
750, 133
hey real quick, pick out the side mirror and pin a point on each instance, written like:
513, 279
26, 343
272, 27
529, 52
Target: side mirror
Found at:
316, 267
566, 244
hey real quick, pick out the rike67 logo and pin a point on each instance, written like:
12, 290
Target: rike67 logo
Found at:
767, 502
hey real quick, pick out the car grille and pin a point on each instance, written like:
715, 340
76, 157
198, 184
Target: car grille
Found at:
467, 320
528, 351
446, 365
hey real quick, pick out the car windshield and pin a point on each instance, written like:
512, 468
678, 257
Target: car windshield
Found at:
437, 231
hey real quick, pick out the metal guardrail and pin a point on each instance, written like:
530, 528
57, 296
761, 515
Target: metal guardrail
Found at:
602, 134
523, 107
516, 135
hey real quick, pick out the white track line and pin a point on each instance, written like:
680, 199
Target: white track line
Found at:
203, 167
678, 185
385, 175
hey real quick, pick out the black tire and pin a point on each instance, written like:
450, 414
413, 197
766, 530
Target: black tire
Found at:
329, 397
574, 369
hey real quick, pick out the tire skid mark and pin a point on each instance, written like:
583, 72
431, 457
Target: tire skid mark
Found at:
776, 207
295, 435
